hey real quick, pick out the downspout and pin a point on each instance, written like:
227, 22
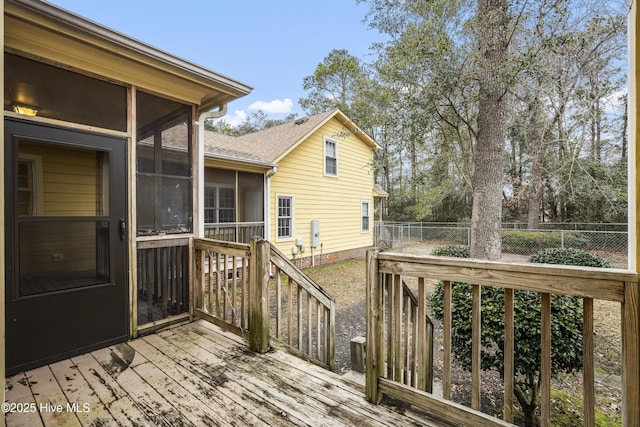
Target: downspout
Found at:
222, 110
267, 203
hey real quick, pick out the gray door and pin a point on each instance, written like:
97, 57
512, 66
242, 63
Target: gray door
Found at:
66, 252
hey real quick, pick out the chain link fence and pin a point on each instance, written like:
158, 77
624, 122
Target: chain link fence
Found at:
611, 242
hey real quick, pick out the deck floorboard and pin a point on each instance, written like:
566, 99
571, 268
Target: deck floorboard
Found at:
195, 375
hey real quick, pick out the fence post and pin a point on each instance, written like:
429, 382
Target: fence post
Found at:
374, 340
259, 295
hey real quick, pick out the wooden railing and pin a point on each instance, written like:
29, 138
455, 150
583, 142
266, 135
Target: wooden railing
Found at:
304, 318
162, 279
221, 284
385, 329
239, 288
240, 232
410, 355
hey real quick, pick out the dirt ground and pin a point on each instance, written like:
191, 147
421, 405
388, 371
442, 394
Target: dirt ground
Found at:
345, 281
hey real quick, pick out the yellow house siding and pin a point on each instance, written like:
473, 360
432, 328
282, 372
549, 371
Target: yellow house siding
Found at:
333, 200
67, 185
69, 178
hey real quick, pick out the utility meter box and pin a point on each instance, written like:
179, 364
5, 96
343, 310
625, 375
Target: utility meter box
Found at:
315, 233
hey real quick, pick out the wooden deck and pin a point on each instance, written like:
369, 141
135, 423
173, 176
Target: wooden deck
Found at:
193, 375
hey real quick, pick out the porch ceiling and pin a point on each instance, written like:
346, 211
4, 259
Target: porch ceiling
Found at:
42, 31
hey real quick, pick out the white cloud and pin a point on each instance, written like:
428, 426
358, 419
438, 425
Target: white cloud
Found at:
612, 103
275, 106
236, 118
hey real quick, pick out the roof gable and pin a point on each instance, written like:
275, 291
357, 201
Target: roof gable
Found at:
273, 144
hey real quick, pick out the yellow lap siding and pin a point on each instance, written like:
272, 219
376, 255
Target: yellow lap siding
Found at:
69, 179
334, 201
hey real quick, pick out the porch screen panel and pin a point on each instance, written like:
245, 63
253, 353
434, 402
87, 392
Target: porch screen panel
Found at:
164, 173
234, 205
62, 217
220, 204
250, 205
250, 197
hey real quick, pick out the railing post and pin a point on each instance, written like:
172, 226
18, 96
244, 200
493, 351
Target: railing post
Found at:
197, 297
374, 362
330, 347
630, 359
259, 295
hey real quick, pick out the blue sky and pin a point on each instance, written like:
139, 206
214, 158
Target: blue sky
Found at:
268, 45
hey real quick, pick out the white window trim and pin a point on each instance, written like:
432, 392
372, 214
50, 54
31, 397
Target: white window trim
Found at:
38, 181
293, 218
368, 202
324, 157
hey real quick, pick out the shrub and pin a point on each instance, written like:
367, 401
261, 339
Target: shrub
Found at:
566, 328
569, 256
457, 251
529, 242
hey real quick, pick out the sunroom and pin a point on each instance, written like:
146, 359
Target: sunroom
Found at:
101, 182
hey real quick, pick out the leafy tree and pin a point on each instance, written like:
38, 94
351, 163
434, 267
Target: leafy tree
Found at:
255, 122
561, 74
433, 125
335, 83
342, 81
566, 331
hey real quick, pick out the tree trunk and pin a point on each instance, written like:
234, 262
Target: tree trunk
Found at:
486, 215
413, 153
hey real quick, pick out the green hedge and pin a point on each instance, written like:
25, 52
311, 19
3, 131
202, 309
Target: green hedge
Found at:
529, 242
569, 256
457, 251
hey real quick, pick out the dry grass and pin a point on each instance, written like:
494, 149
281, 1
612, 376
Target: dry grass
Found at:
345, 282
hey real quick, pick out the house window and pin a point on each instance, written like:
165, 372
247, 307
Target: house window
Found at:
210, 205
330, 157
220, 205
26, 190
285, 217
226, 205
29, 185
365, 216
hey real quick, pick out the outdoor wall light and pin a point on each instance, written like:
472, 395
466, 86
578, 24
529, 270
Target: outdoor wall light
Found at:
25, 110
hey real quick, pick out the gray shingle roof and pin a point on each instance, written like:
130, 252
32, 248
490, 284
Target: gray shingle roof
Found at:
231, 147
269, 145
